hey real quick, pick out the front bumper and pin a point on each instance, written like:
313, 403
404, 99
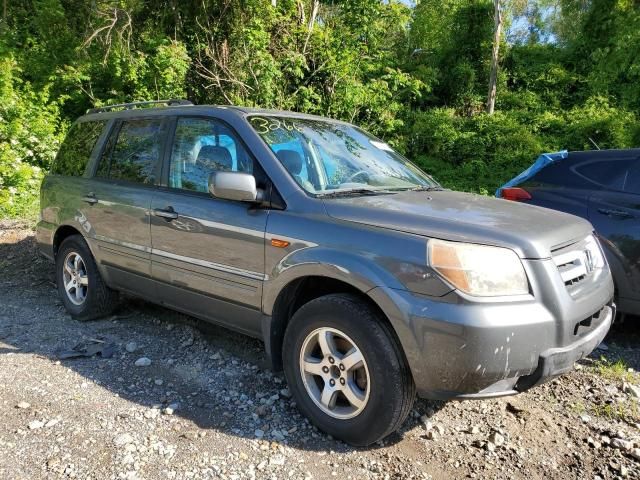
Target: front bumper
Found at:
553, 361
556, 361
458, 349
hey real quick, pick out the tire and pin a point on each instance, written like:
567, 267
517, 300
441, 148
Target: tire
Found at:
386, 397
90, 298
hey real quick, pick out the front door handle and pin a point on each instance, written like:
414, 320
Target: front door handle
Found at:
90, 198
615, 213
167, 213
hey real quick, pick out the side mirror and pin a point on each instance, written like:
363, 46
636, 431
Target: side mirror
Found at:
236, 186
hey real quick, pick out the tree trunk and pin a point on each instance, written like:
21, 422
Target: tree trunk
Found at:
493, 78
312, 20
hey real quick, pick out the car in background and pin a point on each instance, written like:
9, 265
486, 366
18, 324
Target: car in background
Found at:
602, 186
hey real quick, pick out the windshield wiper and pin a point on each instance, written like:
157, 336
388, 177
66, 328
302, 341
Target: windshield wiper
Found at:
354, 191
419, 188
425, 188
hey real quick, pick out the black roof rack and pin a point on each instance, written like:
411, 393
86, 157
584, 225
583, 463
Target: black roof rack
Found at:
128, 106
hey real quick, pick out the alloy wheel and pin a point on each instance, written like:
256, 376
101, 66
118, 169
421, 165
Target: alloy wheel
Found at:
334, 373
74, 276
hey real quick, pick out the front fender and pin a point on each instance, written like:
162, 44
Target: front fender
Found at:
359, 271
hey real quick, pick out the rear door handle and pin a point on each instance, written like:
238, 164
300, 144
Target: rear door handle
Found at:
615, 213
167, 213
90, 198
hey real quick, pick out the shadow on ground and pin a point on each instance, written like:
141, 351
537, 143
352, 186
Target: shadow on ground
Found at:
219, 378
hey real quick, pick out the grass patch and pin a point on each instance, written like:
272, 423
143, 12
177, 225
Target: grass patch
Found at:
616, 371
626, 411
578, 408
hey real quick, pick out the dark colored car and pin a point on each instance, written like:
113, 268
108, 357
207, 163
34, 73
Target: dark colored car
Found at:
602, 186
367, 281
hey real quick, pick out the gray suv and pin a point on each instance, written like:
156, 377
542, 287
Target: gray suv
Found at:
365, 279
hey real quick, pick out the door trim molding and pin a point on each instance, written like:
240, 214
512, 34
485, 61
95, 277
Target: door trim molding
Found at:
214, 266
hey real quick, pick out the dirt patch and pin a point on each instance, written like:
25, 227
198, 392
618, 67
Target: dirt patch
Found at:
205, 406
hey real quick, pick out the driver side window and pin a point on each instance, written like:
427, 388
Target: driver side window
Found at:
201, 147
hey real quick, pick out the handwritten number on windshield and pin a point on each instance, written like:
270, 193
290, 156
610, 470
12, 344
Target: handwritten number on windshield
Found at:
265, 125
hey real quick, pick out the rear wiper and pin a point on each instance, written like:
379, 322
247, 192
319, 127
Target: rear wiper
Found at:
354, 191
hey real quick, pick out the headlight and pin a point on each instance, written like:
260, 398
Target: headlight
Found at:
478, 270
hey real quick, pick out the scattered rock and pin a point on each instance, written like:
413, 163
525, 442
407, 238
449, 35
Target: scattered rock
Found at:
285, 393
131, 347
171, 408
473, 430
593, 443
425, 420
632, 390
259, 433
621, 444
496, 438
152, 413
277, 460
35, 425
143, 362
23, 405
52, 422
122, 439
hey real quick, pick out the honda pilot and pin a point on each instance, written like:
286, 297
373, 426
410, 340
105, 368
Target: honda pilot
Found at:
367, 281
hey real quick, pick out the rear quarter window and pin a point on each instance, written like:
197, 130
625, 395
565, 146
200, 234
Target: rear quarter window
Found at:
75, 151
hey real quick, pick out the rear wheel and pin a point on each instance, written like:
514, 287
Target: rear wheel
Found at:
80, 285
346, 371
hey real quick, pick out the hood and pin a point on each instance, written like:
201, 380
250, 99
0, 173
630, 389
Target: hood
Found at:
533, 232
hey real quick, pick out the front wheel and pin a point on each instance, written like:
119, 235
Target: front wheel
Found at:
80, 285
346, 370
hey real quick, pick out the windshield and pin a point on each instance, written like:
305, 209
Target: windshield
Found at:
327, 157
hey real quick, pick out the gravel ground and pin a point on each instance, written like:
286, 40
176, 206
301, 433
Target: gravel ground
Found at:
179, 400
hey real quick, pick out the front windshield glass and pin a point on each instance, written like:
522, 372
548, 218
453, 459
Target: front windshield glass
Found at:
326, 157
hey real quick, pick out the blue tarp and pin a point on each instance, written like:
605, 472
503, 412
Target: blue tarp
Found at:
541, 162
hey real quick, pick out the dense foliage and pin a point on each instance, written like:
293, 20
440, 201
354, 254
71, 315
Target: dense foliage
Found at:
415, 75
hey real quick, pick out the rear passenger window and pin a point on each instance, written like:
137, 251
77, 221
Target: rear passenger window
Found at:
632, 182
202, 146
608, 173
76, 149
135, 156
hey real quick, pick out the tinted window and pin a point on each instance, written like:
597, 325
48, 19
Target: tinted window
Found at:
609, 173
201, 147
136, 153
632, 182
76, 149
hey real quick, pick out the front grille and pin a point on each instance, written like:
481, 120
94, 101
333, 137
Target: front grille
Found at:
577, 261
